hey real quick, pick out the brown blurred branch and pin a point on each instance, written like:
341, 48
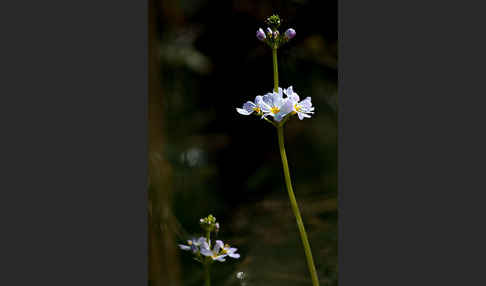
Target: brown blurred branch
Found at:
163, 262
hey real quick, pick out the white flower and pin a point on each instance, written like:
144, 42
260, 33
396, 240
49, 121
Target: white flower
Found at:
250, 107
214, 254
219, 251
226, 249
273, 104
302, 108
193, 244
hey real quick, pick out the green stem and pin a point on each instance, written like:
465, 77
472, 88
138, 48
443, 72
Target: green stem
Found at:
207, 276
275, 69
295, 209
288, 183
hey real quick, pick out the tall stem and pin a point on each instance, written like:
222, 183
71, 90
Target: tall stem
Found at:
207, 276
288, 183
295, 209
275, 69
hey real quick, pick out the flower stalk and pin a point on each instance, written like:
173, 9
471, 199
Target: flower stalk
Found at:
295, 208
288, 183
275, 69
207, 275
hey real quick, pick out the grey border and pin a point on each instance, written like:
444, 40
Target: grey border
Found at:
411, 147
74, 142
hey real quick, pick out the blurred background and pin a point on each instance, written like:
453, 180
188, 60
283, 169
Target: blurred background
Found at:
205, 158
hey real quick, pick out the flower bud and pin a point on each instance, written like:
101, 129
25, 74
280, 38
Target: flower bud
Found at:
260, 34
290, 33
275, 34
273, 21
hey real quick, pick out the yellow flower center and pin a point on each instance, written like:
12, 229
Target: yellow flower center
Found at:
297, 108
223, 250
257, 109
189, 242
274, 110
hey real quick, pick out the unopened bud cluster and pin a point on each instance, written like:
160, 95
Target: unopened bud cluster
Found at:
271, 36
209, 223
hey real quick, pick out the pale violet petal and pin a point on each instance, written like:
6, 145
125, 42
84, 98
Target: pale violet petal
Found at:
258, 100
294, 97
286, 108
265, 107
303, 115
206, 252
288, 91
306, 103
184, 247
234, 255
249, 107
218, 245
220, 258
201, 240
205, 245
242, 111
268, 99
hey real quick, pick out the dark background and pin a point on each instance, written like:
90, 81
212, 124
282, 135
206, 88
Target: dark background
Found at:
205, 158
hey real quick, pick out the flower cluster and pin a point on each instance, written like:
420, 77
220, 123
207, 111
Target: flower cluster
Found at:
275, 105
201, 247
271, 35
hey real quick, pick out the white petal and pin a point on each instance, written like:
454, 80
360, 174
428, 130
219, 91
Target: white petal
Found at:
249, 106
201, 240
234, 255
278, 98
306, 103
205, 245
242, 111
218, 245
220, 258
264, 107
184, 247
286, 108
289, 91
258, 100
294, 97
268, 99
